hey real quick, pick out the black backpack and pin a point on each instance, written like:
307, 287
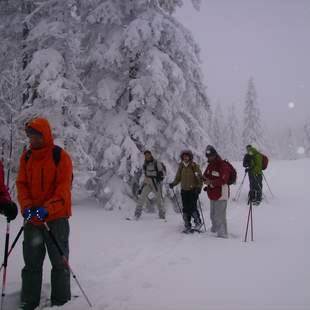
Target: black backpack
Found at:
233, 173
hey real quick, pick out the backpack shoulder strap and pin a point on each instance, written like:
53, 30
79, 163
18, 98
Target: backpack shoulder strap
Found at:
27, 155
57, 154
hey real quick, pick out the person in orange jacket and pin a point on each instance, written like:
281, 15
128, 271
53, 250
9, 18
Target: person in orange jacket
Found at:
44, 195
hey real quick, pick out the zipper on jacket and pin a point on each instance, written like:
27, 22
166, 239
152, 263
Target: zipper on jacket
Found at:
42, 179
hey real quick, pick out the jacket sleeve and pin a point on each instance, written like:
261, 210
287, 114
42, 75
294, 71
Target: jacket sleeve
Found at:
62, 193
4, 194
198, 175
178, 176
224, 177
246, 161
23, 192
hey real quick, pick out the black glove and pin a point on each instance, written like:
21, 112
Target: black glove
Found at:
197, 191
10, 210
171, 185
205, 188
139, 191
247, 170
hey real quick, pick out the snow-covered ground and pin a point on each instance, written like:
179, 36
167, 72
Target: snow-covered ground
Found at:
149, 264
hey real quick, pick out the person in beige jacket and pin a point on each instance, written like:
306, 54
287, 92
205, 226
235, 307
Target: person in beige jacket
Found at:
153, 177
190, 177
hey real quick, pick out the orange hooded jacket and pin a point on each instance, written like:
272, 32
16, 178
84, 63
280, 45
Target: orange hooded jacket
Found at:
40, 182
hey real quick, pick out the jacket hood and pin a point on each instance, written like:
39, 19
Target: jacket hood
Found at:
253, 150
42, 125
187, 152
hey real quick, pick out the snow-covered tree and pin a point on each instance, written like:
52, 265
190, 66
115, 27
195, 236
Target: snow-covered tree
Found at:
291, 145
52, 68
252, 128
217, 131
233, 135
145, 88
307, 138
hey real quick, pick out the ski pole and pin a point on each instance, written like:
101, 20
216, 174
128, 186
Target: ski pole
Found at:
203, 218
238, 193
268, 185
250, 218
5, 263
66, 262
176, 199
13, 244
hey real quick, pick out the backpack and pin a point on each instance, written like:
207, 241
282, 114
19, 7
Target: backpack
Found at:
157, 171
56, 156
233, 173
265, 162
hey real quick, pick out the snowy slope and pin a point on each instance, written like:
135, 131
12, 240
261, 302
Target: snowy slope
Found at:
128, 265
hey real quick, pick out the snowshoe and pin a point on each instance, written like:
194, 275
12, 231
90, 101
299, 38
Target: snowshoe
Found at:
197, 227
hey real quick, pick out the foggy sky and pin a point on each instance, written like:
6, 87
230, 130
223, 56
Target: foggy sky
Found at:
268, 40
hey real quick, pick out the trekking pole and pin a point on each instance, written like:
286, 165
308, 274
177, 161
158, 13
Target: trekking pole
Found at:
5, 263
66, 262
250, 218
176, 199
238, 193
203, 218
13, 244
268, 185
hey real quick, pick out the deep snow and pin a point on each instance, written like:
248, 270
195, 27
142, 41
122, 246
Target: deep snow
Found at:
149, 264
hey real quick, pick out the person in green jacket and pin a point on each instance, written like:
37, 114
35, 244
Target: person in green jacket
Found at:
190, 177
253, 164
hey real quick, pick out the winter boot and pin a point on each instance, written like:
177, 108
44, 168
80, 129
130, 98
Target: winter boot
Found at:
197, 226
187, 220
162, 215
187, 230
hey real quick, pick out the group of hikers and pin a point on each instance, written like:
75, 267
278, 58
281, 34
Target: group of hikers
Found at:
44, 184
215, 180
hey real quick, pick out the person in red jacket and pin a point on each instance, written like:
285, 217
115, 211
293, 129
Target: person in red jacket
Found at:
215, 178
7, 207
44, 194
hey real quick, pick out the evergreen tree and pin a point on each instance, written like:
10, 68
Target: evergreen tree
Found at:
233, 134
52, 67
307, 138
218, 131
291, 145
145, 88
252, 129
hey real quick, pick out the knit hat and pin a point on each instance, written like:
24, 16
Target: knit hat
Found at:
210, 151
147, 152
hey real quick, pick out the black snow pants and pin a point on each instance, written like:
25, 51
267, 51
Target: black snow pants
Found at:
189, 202
36, 242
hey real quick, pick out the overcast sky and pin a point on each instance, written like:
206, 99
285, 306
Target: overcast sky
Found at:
268, 40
